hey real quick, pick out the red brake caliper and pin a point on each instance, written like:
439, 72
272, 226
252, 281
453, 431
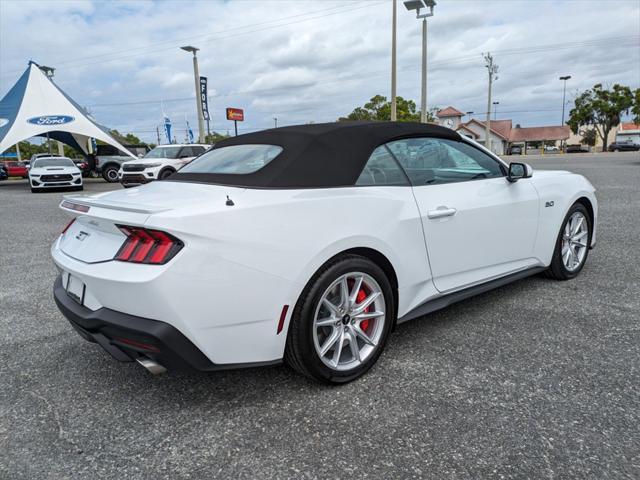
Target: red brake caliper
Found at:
364, 325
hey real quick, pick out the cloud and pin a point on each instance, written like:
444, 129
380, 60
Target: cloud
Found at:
314, 60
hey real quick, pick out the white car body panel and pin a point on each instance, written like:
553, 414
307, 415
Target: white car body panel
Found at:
492, 232
241, 263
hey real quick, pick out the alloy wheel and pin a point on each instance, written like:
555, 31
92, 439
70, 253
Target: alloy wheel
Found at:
574, 241
349, 321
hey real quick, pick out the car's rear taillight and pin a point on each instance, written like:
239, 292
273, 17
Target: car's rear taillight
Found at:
144, 245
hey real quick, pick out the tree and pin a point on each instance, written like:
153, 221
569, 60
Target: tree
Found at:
379, 108
214, 138
589, 137
27, 149
128, 139
635, 109
600, 109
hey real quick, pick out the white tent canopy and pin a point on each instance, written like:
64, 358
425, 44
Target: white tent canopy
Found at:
35, 106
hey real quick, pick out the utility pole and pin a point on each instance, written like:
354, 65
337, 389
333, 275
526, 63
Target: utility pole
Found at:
394, 116
492, 69
196, 74
275, 122
495, 110
158, 134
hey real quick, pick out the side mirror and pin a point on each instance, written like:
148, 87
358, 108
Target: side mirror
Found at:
518, 171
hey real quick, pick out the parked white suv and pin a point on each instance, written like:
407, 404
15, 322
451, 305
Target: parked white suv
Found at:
159, 163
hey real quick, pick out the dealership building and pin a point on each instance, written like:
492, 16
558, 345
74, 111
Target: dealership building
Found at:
503, 133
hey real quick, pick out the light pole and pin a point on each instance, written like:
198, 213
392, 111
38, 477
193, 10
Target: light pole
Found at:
196, 74
564, 93
418, 5
394, 116
495, 110
275, 122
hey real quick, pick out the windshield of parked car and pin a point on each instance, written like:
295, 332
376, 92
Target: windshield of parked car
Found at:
235, 159
52, 162
163, 152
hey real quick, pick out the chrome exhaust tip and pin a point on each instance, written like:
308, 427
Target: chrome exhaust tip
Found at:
153, 367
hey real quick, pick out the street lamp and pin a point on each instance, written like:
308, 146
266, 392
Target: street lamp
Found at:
495, 110
418, 5
275, 122
48, 71
564, 93
196, 74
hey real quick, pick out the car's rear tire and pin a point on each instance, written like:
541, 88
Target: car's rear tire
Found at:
110, 173
323, 321
572, 246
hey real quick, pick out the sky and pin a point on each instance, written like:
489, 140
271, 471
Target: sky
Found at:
306, 61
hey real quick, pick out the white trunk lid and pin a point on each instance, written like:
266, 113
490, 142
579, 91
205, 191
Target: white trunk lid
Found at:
94, 236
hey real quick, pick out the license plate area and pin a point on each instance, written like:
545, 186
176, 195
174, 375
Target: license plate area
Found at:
75, 289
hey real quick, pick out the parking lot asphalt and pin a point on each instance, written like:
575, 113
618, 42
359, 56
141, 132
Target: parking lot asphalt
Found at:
539, 379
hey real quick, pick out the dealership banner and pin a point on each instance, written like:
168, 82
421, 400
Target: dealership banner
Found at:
204, 99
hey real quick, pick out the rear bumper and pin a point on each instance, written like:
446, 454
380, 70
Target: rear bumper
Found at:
127, 337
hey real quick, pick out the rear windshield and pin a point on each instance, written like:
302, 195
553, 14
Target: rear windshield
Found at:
163, 152
236, 159
53, 162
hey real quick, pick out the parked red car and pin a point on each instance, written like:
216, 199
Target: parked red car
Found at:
16, 169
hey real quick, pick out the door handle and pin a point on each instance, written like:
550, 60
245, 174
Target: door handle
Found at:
441, 212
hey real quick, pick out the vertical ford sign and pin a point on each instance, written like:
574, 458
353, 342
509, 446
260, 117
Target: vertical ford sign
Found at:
204, 101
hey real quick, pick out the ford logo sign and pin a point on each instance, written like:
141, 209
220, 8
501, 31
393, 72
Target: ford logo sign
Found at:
46, 120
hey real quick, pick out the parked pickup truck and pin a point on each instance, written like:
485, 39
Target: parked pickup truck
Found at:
109, 159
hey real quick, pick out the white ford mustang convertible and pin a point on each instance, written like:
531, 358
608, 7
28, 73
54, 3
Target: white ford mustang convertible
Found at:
307, 244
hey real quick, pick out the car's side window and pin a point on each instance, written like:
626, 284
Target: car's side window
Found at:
382, 169
197, 151
185, 152
430, 161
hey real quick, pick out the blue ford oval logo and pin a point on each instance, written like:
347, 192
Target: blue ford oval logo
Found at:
51, 120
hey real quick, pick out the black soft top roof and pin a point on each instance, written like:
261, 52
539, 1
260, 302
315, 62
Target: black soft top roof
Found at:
316, 155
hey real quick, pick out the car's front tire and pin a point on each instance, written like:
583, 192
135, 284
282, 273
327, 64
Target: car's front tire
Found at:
110, 174
342, 320
166, 173
572, 246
